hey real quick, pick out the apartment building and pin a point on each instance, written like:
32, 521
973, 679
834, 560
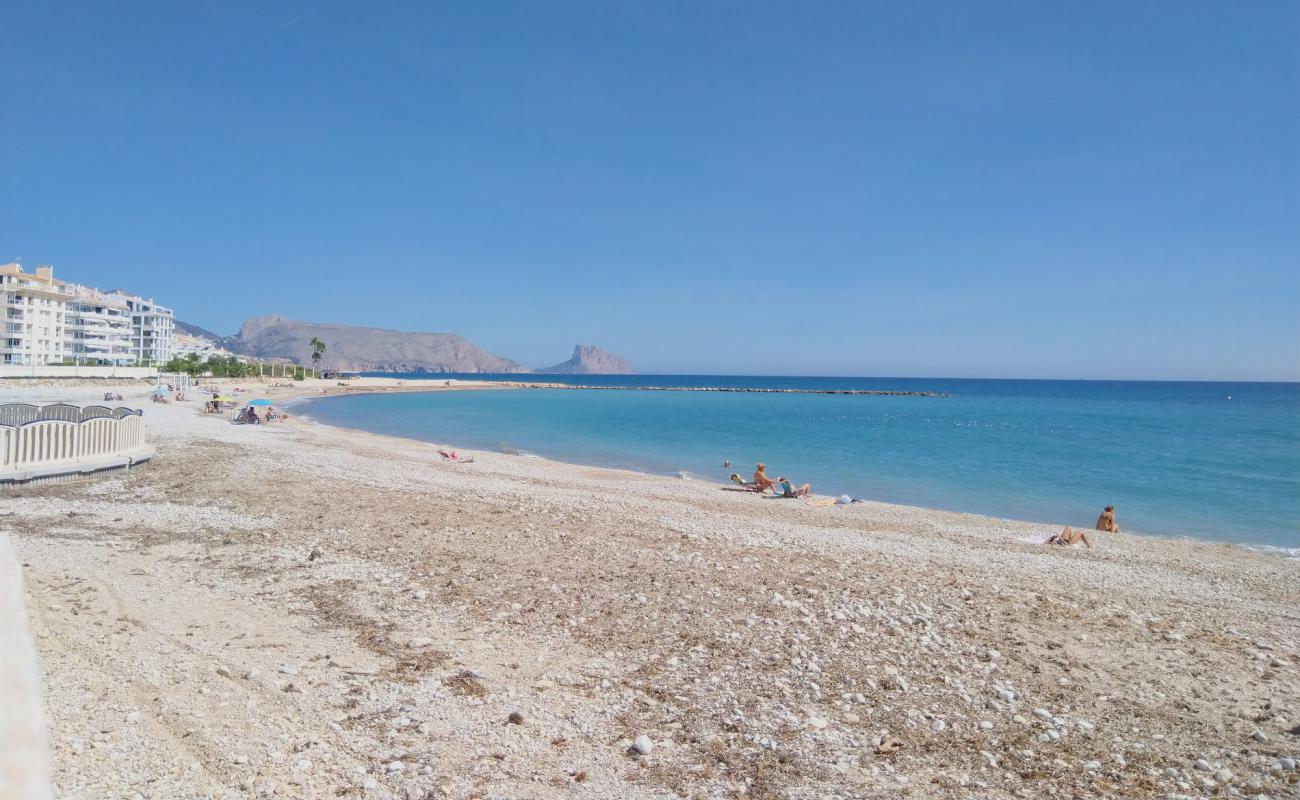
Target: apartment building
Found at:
48, 321
153, 328
34, 308
97, 329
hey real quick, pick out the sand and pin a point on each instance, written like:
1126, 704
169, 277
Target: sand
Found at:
296, 610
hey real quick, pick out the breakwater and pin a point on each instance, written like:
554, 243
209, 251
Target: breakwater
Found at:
732, 389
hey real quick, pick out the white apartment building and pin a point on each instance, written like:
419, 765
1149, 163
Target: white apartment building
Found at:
34, 308
97, 329
49, 321
153, 328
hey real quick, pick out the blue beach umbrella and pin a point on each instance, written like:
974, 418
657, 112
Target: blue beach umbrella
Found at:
259, 402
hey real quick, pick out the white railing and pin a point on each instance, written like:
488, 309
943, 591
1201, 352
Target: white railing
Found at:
62, 439
180, 381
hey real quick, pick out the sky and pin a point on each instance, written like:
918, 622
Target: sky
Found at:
994, 189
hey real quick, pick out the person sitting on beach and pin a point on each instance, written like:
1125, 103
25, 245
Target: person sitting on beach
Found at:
788, 489
1069, 536
761, 481
1106, 522
739, 481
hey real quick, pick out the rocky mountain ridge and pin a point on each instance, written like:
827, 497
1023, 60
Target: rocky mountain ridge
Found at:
366, 349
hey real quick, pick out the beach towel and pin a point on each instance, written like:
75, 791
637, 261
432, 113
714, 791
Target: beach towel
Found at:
454, 457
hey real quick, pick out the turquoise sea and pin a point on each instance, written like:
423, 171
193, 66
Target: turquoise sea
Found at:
1211, 460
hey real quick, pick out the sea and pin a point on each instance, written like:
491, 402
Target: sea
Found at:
1218, 461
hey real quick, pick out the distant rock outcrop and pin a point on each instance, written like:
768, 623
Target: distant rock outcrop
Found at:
366, 349
589, 360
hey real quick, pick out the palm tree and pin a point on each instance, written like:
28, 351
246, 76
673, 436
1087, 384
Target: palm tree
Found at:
317, 347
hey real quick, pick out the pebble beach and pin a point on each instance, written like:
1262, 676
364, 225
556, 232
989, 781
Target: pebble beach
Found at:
302, 611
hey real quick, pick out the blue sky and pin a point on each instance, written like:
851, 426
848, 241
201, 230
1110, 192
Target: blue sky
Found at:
1095, 190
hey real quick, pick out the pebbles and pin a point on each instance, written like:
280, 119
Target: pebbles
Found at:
772, 647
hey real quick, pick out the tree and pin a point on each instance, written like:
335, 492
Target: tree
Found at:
317, 348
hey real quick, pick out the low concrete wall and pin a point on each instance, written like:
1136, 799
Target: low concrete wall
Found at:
24, 749
34, 371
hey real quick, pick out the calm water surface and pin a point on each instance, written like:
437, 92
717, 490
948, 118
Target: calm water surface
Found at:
1212, 460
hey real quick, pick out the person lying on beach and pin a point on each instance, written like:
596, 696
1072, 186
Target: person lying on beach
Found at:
1106, 522
1069, 536
761, 481
454, 456
739, 481
788, 489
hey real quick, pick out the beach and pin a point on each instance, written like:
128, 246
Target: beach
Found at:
299, 610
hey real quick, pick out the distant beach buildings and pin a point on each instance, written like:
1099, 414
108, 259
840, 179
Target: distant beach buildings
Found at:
49, 321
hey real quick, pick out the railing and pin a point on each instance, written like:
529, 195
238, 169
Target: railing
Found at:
180, 381
38, 441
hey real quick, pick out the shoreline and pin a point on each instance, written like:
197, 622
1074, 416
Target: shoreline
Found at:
305, 610
1291, 553
319, 389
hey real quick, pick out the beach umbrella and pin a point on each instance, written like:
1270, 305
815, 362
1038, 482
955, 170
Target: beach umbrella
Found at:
259, 402
224, 399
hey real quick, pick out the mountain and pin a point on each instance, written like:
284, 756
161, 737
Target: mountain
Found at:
228, 344
589, 360
349, 347
195, 330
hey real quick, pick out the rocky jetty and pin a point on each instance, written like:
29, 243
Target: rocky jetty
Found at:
737, 389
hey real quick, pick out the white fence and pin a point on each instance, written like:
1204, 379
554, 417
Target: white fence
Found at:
49, 441
179, 381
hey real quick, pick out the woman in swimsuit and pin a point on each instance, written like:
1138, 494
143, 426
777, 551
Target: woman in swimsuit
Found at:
1069, 536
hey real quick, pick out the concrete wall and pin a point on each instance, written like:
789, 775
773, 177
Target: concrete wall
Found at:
23, 371
24, 752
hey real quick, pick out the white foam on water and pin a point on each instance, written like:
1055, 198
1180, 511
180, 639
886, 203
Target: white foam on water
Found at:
1288, 553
